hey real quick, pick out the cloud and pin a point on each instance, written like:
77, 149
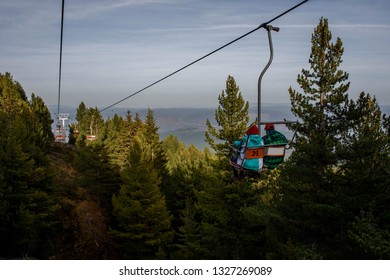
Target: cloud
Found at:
127, 3
346, 26
88, 9
360, 25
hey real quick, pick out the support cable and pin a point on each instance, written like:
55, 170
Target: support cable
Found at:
60, 69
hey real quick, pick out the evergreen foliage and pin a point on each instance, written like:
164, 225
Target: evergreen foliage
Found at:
89, 122
310, 194
28, 211
144, 223
322, 195
232, 119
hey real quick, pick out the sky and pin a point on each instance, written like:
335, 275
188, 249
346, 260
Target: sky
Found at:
113, 48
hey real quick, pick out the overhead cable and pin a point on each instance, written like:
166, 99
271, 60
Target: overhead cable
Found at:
60, 69
263, 25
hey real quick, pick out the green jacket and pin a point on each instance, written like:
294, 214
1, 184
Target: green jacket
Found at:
274, 137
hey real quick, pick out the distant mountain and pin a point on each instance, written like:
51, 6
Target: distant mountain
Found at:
182, 118
385, 109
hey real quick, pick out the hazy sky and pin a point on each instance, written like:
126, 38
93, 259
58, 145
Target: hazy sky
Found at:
113, 48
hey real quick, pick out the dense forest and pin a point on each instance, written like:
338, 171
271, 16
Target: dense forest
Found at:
127, 194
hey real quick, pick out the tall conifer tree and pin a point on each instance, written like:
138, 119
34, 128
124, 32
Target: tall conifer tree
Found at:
232, 119
327, 181
310, 193
27, 211
321, 108
41, 123
364, 179
144, 222
152, 138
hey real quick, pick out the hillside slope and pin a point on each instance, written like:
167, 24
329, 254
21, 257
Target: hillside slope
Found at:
83, 221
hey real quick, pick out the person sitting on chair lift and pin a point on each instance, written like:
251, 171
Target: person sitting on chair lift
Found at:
252, 139
273, 137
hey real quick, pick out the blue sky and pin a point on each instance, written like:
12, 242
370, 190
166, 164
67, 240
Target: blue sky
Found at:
113, 48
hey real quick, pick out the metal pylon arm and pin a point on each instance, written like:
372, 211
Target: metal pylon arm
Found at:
269, 28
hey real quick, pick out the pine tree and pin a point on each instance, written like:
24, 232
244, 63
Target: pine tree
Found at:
81, 112
188, 168
310, 194
119, 138
338, 165
189, 233
364, 179
232, 119
321, 108
6, 80
144, 223
89, 122
370, 241
99, 176
228, 229
41, 123
364, 153
28, 209
152, 138
176, 185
